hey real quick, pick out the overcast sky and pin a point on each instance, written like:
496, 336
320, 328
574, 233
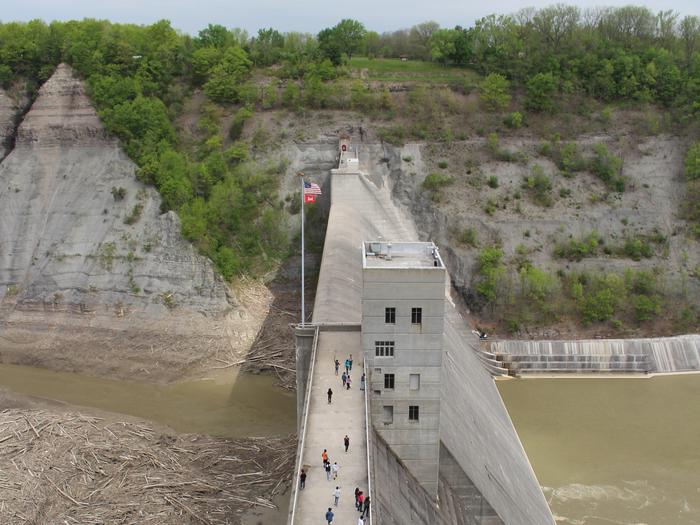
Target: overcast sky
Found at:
293, 15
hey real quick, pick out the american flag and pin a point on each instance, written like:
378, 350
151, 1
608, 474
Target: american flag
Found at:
311, 188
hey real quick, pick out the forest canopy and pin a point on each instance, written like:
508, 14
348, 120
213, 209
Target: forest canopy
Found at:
139, 78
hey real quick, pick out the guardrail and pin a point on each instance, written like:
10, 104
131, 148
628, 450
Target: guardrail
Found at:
300, 446
368, 428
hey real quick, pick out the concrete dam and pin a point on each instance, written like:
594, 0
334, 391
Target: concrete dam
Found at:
430, 438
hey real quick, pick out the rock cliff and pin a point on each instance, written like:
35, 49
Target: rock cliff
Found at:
87, 258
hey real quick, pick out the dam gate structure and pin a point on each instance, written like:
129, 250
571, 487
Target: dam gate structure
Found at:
431, 440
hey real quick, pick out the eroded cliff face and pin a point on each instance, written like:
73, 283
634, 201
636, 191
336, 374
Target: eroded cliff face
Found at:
87, 259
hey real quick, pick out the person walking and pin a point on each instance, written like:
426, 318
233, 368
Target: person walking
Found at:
350, 362
357, 493
336, 496
360, 521
344, 377
365, 507
347, 365
335, 468
347, 382
346, 442
324, 457
328, 471
360, 499
302, 480
330, 395
329, 516
337, 365
362, 382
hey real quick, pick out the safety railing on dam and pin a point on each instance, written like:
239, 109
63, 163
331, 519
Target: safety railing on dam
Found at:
302, 431
370, 448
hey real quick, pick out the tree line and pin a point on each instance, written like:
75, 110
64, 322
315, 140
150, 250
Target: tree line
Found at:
139, 78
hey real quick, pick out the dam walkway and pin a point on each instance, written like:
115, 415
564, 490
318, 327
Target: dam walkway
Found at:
326, 426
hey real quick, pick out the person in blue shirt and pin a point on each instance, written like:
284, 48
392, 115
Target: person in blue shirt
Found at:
329, 516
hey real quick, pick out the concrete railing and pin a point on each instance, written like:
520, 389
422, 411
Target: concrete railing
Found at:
368, 436
302, 431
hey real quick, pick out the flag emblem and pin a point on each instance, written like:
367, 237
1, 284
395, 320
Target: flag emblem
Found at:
311, 191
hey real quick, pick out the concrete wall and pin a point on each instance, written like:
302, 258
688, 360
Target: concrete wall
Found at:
476, 428
304, 342
399, 498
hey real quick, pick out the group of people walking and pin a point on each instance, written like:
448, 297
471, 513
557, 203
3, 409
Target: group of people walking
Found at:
332, 469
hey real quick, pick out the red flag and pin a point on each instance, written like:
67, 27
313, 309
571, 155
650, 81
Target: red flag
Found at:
309, 198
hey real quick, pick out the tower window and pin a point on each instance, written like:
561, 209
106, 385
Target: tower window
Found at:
416, 315
388, 415
389, 381
384, 348
413, 413
390, 315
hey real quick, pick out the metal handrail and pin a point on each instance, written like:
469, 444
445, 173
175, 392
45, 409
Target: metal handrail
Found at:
300, 447
368, 424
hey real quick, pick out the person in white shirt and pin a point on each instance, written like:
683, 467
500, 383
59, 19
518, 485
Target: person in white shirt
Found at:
336, 496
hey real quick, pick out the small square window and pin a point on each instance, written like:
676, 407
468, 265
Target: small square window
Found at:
413, 413
388, 415
389, 381
416, 315
414, 382
390, 315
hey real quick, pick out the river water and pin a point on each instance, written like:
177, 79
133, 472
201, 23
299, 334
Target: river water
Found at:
612, 451
225, 403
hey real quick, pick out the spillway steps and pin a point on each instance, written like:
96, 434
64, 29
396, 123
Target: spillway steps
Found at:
518, 364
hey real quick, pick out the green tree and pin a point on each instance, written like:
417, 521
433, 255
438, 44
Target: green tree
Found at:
344, 38
227, 77
495, 92
541, 89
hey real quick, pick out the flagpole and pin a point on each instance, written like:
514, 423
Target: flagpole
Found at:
303, 314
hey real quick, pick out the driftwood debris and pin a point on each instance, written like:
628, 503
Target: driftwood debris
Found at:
73, 468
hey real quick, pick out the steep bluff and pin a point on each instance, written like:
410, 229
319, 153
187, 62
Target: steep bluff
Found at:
87, 258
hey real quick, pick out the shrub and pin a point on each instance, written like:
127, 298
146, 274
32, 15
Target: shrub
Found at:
540, 186
599, 306
239, 120
469, 237
118, 193
495, 92
490, 270
692, 162
577, 249
645, 307
442, 164
514, 120
540, 90
493, 181
607, 166
395, 135
437, 181
636, 248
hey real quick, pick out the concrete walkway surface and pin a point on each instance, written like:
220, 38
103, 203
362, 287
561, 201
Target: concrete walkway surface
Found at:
327, 425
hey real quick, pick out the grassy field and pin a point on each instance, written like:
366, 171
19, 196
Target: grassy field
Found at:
394, 69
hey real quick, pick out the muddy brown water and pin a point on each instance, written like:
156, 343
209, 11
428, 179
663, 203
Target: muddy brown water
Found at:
612, 451
224, 403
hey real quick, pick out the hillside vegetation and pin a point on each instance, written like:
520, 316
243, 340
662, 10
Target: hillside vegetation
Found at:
201, 116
